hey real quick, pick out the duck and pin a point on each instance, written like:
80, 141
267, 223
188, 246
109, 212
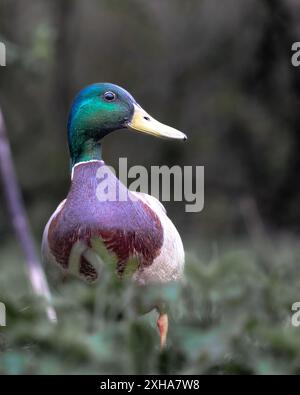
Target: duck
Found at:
93, 223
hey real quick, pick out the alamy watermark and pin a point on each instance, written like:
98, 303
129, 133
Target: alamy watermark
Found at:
2, 54
295, 59
2, 314
296, 315
165, 183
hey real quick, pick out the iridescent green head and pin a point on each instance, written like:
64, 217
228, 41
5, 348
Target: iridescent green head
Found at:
103, 108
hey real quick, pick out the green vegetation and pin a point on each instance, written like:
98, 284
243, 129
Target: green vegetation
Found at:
232, 315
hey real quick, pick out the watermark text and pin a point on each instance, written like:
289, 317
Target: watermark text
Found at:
2, 54
2, 314
164, 183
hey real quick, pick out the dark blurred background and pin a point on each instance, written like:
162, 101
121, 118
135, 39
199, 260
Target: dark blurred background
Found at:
219, 70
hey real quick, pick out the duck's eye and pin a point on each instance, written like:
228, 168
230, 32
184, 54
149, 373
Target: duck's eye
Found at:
109, 96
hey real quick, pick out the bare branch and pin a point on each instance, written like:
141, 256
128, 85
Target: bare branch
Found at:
20, 221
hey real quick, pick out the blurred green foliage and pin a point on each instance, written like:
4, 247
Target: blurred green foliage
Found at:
232, 315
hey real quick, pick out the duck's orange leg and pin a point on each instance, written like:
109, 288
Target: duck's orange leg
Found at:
163, 326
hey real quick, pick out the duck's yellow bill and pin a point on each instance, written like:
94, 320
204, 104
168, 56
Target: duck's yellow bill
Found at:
143, 122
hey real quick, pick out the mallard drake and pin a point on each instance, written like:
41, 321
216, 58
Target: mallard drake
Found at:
136, 228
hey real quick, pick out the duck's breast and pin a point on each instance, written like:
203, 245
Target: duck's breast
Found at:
99, 209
